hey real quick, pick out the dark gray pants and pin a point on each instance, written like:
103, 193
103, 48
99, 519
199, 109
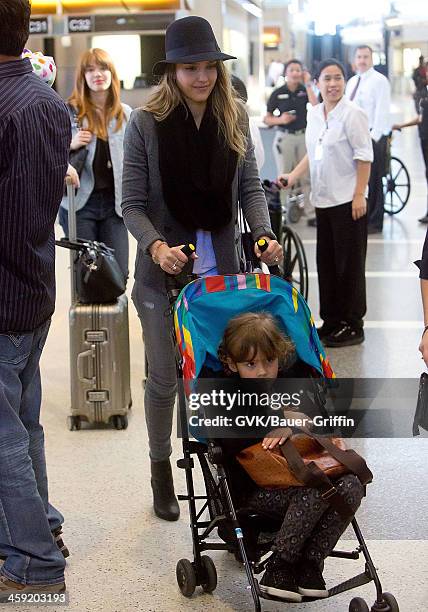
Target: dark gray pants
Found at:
161, 383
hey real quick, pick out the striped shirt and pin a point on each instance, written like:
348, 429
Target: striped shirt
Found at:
34, 145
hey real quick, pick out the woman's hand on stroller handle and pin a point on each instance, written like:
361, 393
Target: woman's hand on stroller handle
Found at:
173, 259
268, 251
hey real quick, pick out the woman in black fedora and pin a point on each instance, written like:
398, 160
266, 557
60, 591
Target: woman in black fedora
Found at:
186, 152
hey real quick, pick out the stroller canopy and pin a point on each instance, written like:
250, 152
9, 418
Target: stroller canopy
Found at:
206, 305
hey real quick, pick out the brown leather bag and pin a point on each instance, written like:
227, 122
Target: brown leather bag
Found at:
306, 460
270, 469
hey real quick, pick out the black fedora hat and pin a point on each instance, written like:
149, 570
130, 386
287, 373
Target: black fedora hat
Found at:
188, 40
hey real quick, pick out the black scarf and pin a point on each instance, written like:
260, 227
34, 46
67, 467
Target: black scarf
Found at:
197, 170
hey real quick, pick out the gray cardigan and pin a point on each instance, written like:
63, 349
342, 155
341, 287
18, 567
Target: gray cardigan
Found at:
148, 218
87, 179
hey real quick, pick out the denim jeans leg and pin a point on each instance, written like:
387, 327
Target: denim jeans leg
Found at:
86, 222
30, 417
112, 231
25, 535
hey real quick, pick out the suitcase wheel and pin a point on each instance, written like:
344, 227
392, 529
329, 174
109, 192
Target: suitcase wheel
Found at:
74, 423
120, 421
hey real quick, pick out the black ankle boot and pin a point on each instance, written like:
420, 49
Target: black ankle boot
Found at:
165, 503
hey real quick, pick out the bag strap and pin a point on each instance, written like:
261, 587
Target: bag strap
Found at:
349, 458
312, 476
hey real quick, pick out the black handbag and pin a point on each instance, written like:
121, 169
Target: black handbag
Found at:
99, 279
421, 414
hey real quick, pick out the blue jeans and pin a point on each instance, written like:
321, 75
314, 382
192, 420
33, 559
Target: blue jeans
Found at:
98, 220
26, 517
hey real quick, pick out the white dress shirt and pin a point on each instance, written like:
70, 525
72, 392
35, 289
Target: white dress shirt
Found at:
334, 145
374, 96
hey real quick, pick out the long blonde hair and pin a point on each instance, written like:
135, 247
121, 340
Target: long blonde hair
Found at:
227, 110
80, 99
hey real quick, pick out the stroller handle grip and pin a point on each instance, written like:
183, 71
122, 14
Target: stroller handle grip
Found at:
263, 244
174, 284
188, 249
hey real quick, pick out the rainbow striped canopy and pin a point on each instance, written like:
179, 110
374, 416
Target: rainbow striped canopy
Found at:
205, 306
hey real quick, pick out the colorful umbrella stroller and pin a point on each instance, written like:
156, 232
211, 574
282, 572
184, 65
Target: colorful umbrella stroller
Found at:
207, 304
201, 313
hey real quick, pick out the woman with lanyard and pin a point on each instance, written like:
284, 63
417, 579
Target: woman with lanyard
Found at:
188, 158
339, 156
98, 120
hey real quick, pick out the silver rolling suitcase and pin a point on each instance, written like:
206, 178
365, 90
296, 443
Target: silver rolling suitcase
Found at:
99, 353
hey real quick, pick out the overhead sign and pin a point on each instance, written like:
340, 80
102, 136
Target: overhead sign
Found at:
59, 7
39, 26
79, 24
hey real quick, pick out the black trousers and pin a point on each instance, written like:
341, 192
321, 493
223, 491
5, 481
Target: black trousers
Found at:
341, 263
376, 197
424, 146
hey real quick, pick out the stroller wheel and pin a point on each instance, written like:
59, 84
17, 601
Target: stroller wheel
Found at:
209, 581
186, 577
391, 601
358, 604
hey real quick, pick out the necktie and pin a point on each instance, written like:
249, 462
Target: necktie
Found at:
355, 89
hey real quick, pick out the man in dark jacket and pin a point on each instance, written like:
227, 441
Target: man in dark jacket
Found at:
34, 144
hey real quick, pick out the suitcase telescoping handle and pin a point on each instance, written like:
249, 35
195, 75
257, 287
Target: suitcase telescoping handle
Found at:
72, 235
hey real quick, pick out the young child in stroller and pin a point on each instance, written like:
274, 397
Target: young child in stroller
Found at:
254, 346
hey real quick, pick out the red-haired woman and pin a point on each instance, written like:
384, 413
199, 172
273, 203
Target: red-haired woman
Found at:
99, 120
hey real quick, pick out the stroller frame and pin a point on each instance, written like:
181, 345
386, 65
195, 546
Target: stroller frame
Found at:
201, 571
203, 575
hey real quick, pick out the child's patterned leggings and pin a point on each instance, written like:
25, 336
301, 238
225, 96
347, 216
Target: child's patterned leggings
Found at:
310, 528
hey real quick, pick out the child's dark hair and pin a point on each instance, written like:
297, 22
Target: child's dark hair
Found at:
250, 332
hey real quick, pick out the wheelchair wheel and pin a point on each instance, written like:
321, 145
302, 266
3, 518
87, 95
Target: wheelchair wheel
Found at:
294, 267
186, 577
396, 187
358, 604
